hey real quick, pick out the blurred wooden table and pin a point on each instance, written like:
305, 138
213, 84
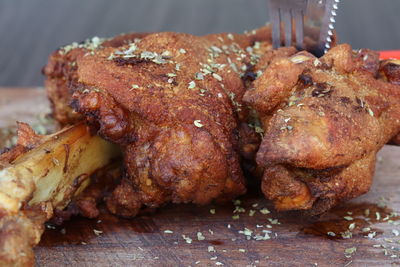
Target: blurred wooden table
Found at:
157, 239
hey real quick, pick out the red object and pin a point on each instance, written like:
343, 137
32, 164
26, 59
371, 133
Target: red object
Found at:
390, 54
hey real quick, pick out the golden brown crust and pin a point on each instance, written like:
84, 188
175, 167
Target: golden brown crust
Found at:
182, 133
324, 121
174, 103
60, 72
389, 70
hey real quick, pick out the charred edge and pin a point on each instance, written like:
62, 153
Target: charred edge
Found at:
392, 73
345, 100
392, 67
74, 104
323, 175
305, 79
4, 150
249, 75
322, 89
130, 61
78, 180
164, 78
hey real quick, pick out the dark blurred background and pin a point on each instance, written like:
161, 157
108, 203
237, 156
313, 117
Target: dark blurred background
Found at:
31, 29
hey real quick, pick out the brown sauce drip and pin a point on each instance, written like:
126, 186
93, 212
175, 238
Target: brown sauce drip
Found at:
364, 216
216, 242
80, 230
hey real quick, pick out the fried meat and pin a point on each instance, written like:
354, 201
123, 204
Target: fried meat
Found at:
324, 120
173, 102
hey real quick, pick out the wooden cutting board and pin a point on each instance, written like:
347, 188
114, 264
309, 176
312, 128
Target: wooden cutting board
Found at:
169, 236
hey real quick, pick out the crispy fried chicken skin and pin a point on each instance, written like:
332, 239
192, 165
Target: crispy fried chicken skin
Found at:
390, 71
60, 73
173, 102
177, 105
324, 121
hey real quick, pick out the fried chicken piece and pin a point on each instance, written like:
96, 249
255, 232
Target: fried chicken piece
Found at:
324, 120
390, 71
173, 102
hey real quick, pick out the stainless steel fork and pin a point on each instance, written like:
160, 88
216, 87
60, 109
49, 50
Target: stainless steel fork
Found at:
311, 19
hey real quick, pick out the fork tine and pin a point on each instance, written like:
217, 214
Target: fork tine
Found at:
276, 22
298, 17
287, 21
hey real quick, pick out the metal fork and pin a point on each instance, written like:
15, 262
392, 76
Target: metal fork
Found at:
313, 19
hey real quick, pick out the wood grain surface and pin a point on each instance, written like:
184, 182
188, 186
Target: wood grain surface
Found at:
155, 238
31, 29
